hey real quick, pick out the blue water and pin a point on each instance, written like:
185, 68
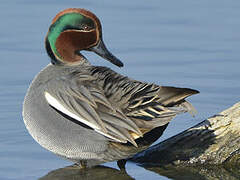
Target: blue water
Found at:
186, 43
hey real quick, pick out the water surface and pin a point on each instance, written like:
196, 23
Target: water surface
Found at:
184, 43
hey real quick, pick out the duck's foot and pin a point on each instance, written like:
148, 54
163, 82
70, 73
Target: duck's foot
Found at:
121, 164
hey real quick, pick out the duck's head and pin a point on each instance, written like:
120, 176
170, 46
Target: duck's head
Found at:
73, 30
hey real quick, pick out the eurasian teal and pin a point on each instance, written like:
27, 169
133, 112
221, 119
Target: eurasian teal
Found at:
91, 114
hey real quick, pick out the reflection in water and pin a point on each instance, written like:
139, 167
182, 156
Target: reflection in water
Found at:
173, 172
198, 172
95, 173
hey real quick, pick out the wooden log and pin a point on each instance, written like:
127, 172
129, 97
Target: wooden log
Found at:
215, 141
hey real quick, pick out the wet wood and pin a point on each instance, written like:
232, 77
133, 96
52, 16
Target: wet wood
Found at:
215, 141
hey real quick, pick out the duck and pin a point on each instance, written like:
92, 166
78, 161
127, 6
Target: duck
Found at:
91, 114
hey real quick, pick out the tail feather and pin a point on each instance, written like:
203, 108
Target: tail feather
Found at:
170, 96
161, 107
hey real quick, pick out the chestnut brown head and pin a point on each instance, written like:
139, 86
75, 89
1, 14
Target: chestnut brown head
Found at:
72, 31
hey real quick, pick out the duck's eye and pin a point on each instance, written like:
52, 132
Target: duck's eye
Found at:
86, 27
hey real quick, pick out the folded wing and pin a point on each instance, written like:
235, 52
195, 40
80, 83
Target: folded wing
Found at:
121, 111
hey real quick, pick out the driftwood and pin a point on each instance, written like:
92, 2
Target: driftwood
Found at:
211, 146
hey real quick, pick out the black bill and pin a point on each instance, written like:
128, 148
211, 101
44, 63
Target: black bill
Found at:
102, 51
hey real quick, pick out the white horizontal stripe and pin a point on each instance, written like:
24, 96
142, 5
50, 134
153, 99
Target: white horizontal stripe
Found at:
56, 104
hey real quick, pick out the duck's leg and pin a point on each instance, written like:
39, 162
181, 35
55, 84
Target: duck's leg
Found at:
80, 165
121, 164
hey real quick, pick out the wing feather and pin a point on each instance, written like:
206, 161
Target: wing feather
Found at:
115, 106
85, 104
